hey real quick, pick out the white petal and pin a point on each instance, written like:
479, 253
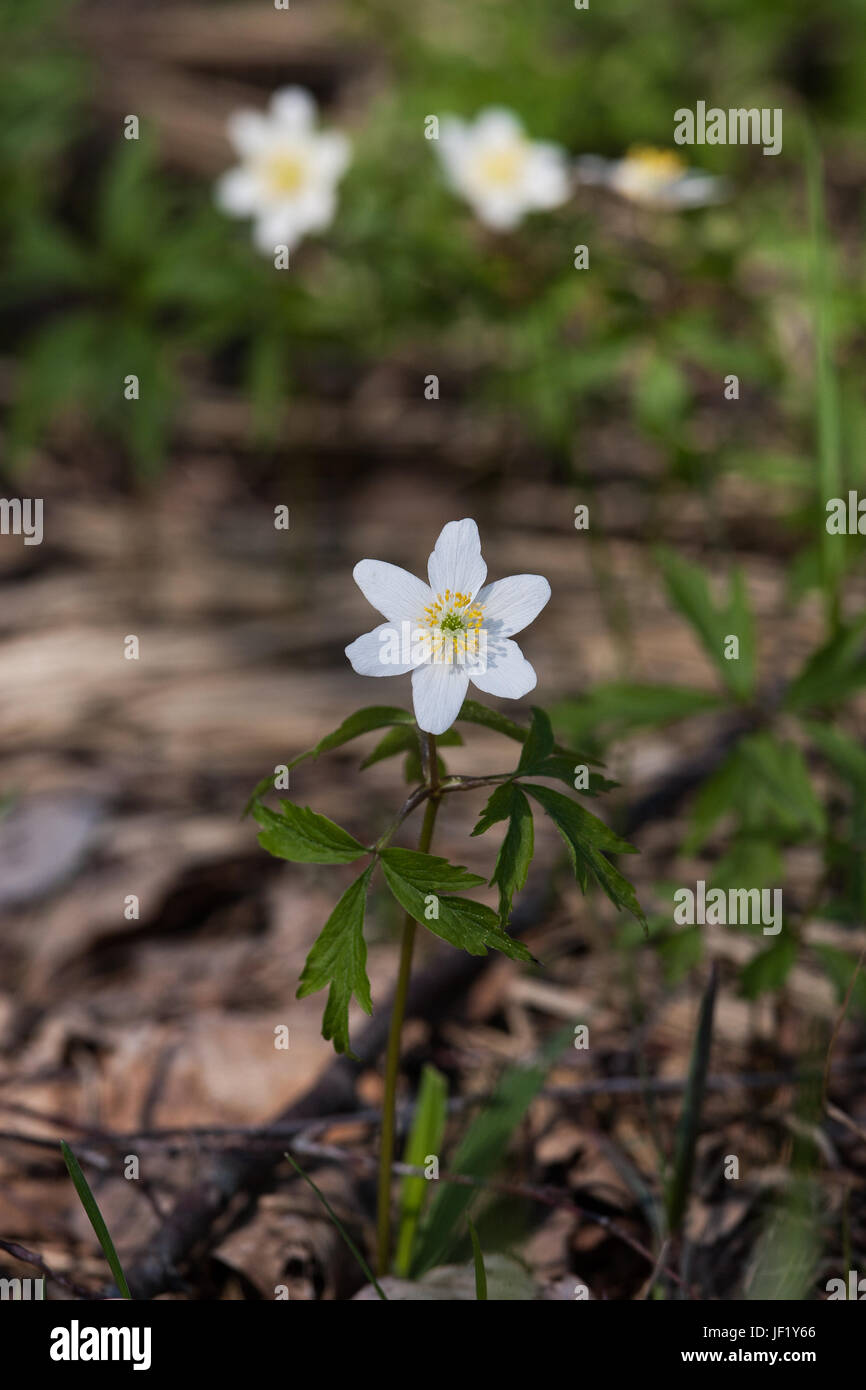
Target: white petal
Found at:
332, 153
294, 108
512, 604
456, 562
500, 211
438, 691
373, 654
546, 181
508, 673
497, 125
394, 591
279, 226
238, 192
249, 131
314, 209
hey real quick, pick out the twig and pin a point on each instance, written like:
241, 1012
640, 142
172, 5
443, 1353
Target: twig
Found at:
29, 1257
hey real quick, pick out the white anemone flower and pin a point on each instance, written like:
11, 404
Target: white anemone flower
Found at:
652, 178
502, 174
451, 631
288, 172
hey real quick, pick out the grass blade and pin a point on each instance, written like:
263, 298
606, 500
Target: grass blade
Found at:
94, 1216
480, 1271
371, 1278
481, 1151
690, 1115
425, 1137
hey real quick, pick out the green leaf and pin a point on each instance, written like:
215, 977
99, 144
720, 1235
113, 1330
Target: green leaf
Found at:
689, 590
478, 1257
842, 752
305, 837
722, 791
769, 969
425, 1137
481, 1151
539, 743
339, 959
576, 825
95, 1217
402, 739
587, 839
515, 853
617, 708
750, 861
363, 721
680, 952
833, 672
418, 882
473, 713
784, 779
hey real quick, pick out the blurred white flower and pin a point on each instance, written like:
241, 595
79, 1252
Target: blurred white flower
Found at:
451, 631
501, 173
652, 178
288, 172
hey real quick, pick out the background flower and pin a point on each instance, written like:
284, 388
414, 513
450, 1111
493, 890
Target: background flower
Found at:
652, 177
288, 173
501, 173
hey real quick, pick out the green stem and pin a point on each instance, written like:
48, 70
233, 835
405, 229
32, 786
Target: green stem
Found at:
392, 1060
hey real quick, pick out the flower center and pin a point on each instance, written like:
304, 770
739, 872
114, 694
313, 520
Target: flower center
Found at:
655, 166
502, 167
452, 626
285, 173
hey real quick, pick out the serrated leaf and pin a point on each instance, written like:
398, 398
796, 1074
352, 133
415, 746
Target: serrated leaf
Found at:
305, 837
563, 767
588, 839
473, 713
339, 959
416, 878
571, 819
515, 853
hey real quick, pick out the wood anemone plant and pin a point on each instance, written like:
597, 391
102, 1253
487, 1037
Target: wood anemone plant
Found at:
430, 889
448, 632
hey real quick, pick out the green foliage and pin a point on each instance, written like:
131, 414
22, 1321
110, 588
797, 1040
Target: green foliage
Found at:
690, 593
419, 881
95, 1217
426, 886
509, 803
425, 1137
339, 959
304, 837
